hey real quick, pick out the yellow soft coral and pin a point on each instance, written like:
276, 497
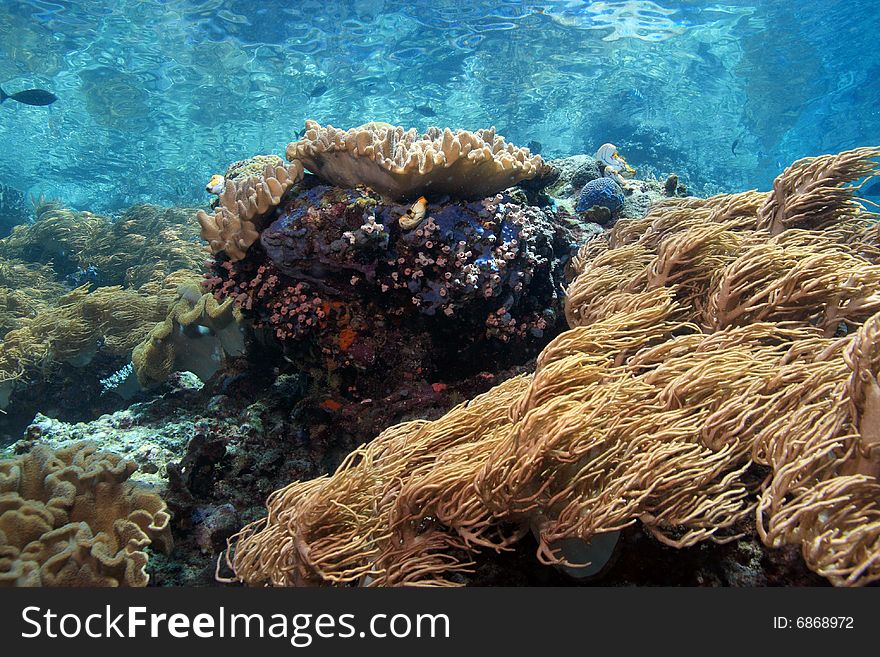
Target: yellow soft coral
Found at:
70, 518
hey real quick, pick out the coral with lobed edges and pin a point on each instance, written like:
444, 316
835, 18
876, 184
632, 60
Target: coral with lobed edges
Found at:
343, 276
70, 518
402, 165
233, 226
720, 377
197, 335
252, 166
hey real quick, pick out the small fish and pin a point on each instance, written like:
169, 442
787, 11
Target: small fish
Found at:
534, 147
318, 91
414, 216
38, 97
216, 184
734, 145
425, 110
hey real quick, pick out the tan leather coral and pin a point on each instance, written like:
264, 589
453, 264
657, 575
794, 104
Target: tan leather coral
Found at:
403, 165
196, 336
232, 227
70, 518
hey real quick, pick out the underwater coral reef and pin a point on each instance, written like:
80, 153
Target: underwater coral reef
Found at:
458, 353
79, 292
721, 370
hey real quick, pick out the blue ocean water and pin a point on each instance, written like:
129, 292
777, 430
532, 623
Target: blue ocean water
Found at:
156, 95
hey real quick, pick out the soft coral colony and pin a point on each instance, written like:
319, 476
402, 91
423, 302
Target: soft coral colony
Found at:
720, 376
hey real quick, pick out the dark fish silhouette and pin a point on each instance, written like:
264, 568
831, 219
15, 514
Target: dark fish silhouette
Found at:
425, 110
535, 147
30, 97
318, 91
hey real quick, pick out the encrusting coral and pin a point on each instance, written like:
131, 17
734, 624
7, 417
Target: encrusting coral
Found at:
70, 518
721, 370
402, 165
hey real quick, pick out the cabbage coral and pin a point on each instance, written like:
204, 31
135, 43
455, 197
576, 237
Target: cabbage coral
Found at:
402, 164
71, 518
705, 342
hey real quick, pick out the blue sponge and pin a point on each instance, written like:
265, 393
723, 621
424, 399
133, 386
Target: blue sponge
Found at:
603, 192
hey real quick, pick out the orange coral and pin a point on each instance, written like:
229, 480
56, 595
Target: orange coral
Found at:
346, 338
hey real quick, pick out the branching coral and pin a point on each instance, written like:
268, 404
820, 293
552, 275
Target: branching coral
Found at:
714, 373
403, 165
70, 518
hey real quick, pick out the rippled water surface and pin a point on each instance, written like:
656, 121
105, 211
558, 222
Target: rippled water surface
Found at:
155, 96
